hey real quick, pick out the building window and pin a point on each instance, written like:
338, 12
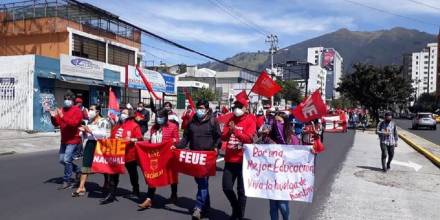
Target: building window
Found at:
120, 56
88, 48
426, 62
417, 62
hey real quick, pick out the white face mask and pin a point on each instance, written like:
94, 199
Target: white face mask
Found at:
92, 114
238, 112
123, 117
140, 108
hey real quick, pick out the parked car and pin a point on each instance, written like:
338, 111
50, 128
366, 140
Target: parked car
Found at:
424, 119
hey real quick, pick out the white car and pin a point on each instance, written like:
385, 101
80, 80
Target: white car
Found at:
424, 119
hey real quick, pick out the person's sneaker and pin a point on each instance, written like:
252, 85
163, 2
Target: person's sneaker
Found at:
65, 185
146, 204
197, 214
388, 166
108, 199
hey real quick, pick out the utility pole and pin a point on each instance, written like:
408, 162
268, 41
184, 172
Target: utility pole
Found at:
272, 40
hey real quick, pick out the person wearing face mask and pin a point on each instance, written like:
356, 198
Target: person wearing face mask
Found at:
260, 119
203, 134
162, 130
126, 128
388, 137
239, 131
142, 117
94, 130
69, 120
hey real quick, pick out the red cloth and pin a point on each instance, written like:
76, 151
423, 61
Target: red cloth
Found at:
265, 86
147, 84
109, 156
225, 118
187, 116
195, 163
245, 129
260, 121
170, 132
69, 124
156, 163
120, 131
112, 100
311, 108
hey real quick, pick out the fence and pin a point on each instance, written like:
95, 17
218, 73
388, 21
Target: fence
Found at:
16, 99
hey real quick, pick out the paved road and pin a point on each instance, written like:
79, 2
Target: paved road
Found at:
29, 181
430, 135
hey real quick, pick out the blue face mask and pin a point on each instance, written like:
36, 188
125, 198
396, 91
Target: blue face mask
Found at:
160, 121
200, 113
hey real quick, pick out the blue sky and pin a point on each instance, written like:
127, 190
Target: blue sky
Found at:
206, 26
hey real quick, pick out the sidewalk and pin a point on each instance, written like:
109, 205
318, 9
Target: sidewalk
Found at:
410, 190
12, 141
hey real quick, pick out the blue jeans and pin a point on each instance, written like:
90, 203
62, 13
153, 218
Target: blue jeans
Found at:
67, 151
283, 206
203, 202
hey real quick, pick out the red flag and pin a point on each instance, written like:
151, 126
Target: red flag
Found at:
265, 86
112, 100
190, 100
225, 118
147, 84
155, 162
195, 163
313, 107
109, 156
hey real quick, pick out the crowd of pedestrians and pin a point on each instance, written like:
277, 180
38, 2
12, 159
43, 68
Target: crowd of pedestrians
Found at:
201, 131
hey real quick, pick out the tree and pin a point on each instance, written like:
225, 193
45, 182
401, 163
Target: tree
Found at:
427, 102
204, 93
342, 103
290, 91
376, 88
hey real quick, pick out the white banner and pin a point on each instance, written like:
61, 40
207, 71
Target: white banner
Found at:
77, 66
279, 172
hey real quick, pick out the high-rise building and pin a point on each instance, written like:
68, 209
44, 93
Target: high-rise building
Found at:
332, 62
424, 70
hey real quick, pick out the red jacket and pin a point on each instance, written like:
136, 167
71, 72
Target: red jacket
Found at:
120, 131
170, 131
69, 124
260, 121
245, 129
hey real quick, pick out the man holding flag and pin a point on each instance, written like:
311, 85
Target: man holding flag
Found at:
203, 134
237, 132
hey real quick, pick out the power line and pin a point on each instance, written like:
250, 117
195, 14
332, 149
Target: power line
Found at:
170, 42
174, 53
233, 13
424, 4
391, 13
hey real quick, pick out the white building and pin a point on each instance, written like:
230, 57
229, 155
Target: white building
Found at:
424, 70
317, 80
332, 62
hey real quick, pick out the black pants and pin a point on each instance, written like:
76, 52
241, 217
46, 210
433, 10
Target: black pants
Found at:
134, 176
232, 172
113, 181
385, 148
152, 191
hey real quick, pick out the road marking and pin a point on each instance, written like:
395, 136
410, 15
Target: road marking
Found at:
220, 159
410, 164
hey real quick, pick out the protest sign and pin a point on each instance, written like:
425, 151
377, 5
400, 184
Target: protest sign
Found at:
195, 163
156, 163
109, 156
279, 172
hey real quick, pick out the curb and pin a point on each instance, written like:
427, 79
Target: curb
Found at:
7, 153
434, 159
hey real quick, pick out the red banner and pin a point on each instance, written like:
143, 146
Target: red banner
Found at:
225, 118
109, 156
156, 163
313, 107
265, 86
195, 163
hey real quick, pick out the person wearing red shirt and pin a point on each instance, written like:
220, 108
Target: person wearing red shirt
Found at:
69, 120
239, 131
162, 130
126, 128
